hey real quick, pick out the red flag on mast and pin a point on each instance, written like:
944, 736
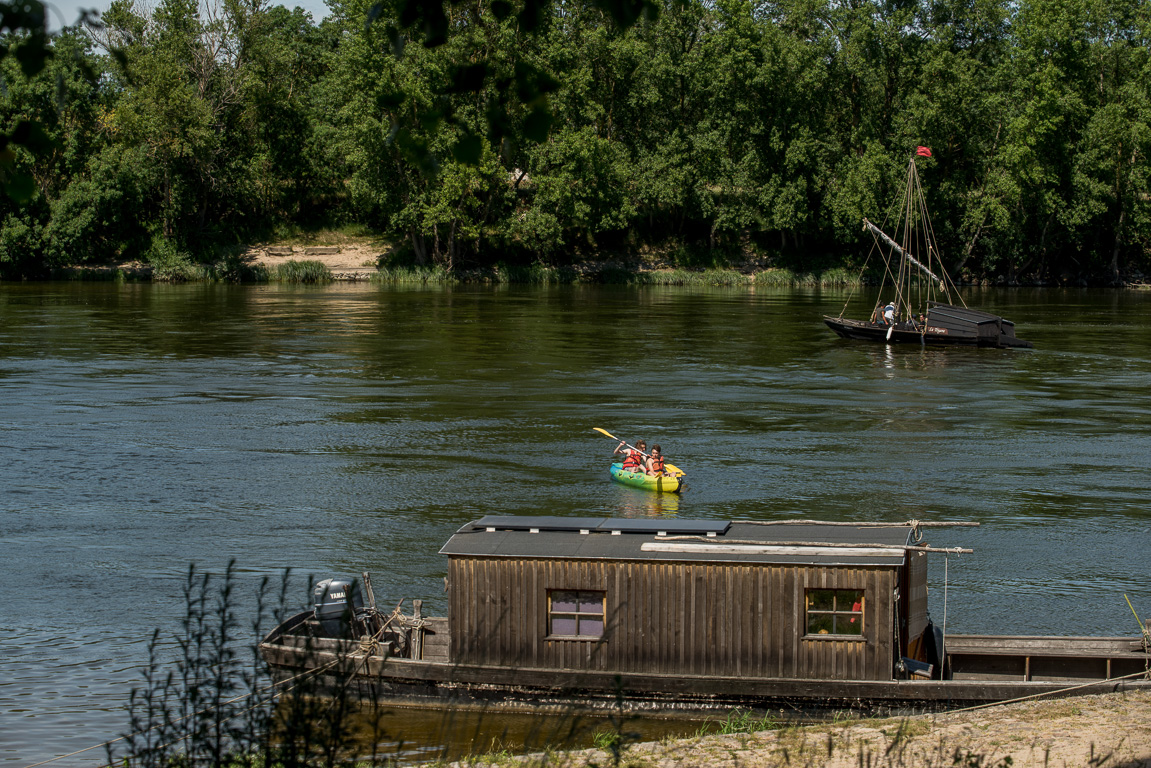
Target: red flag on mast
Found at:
923, 151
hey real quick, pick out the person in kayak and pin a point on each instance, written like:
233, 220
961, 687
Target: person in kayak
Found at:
633, 458
655, 462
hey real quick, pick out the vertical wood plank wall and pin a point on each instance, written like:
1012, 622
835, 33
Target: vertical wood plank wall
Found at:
663, 617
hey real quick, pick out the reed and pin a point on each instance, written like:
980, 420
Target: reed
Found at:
207, 698
301, 272
775, 278
536, 273
678, 277
413, 275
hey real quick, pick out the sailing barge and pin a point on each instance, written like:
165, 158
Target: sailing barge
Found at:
921, 309
683, 615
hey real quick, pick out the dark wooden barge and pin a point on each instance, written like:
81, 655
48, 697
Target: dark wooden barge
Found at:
944, 324
683, 615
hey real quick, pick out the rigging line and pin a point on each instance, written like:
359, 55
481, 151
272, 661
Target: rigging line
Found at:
939, 256
1049, 693
851, 290
185, 717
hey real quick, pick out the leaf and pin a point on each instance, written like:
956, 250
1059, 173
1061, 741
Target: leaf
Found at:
468, 79
627, 12
390, 101
19, 186
30, 134
501, 9
537, 124
468, 149
33, 55
532, 83
531, 15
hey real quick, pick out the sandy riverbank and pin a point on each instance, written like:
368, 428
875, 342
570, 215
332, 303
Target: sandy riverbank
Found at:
1107, 731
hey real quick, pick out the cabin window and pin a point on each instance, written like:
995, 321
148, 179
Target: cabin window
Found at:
575, 614
835, 612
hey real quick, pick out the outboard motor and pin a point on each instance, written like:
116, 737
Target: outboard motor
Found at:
338, 603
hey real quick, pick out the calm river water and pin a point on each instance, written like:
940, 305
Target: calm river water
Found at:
333, 430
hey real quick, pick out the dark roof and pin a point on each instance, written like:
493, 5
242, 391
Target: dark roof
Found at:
602, 538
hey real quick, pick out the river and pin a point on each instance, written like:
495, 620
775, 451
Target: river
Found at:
332, 430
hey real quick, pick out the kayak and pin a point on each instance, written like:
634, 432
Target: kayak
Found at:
648, 482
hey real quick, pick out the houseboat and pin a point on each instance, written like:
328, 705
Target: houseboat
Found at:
681, 615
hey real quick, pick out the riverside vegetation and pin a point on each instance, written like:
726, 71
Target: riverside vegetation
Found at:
207, 700
471, 133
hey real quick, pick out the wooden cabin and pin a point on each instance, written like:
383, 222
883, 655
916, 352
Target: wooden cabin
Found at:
818, 601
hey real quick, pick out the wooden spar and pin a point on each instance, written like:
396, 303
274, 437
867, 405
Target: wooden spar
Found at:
715, 544
883, 236
418, 629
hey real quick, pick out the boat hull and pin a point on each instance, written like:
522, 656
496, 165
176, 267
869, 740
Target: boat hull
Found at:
945, 325
670, 483
339, 668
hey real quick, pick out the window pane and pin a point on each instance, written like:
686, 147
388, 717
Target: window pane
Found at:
564, 602
590, 627
848, 625
835, 612
821, 600
562, 625
590, 602
819, 624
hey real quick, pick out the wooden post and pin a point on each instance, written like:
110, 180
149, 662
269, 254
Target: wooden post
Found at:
368, 589
418, 631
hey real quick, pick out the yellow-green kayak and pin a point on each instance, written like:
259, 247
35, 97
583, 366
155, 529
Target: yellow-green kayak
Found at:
671, 482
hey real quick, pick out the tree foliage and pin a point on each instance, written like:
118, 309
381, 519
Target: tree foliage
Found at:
479, 131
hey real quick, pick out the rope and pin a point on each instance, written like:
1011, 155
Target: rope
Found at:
185, 717
1048, 693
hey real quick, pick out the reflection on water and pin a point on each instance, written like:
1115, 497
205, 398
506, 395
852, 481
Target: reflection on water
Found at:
634, 502
351, 428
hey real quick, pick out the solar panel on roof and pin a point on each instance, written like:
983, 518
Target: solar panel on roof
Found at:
537, 523
601, 524
696, 527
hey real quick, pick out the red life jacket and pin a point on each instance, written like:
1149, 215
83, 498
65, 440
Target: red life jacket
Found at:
632, 460
657, 464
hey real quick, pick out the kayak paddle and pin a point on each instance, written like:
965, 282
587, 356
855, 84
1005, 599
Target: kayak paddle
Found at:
613, 437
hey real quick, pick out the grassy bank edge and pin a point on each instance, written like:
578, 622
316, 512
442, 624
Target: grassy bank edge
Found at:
316, 272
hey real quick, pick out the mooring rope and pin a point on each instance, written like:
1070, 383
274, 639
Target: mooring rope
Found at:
1049, 693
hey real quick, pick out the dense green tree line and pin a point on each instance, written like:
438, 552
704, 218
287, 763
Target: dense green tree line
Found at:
479, 130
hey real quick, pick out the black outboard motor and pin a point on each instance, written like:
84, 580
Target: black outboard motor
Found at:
338, 603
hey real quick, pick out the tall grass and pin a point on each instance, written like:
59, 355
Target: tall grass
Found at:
786, 278
678, 276
301, 272
413, 274
537, 273
207, 698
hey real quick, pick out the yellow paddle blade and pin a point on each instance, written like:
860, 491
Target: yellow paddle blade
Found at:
674, 470
605, 432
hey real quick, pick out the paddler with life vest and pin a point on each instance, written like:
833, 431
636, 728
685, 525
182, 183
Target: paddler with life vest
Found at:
655, 462
634, 459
